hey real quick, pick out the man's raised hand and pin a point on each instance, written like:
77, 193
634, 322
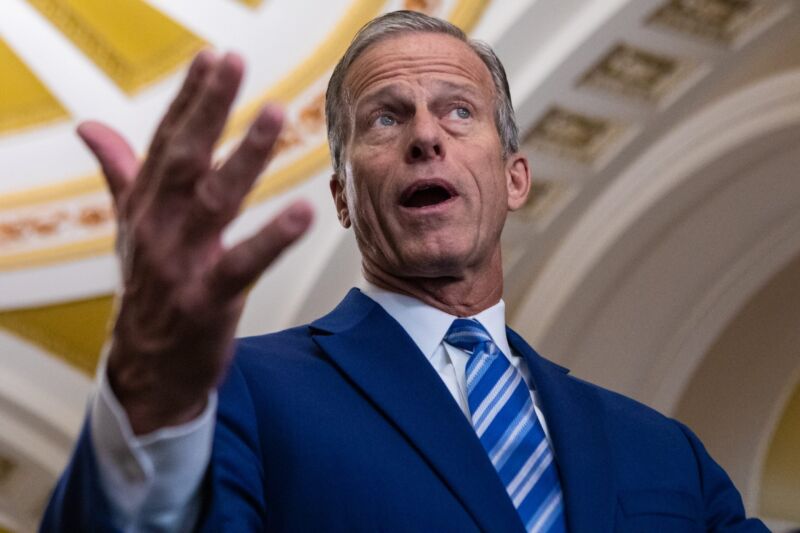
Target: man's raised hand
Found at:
183, 291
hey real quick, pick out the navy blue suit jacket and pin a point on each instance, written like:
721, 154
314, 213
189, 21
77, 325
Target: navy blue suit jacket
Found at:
343, 425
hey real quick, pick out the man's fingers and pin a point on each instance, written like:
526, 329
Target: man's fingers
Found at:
221, 192
114, 154
242, 264
189, 151
206, 117
199, 69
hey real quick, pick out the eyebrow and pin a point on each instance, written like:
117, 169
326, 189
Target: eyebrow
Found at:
390, 91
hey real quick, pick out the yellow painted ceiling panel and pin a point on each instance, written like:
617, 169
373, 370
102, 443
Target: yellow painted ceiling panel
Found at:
131, 41
24, 100
74, 331
780, 484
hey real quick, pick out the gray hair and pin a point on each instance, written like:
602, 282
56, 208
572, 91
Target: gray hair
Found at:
337, 104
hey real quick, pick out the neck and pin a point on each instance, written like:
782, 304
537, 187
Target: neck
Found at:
462, 296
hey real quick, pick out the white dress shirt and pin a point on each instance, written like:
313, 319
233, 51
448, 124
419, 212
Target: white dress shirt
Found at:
427, 326
153, 480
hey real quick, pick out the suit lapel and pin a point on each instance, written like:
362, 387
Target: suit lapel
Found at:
374, 351
575, 420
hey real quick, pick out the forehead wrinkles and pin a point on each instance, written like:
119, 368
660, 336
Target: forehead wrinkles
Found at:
386, 69
416, 55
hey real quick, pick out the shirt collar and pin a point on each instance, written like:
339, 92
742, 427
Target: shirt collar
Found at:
427, 325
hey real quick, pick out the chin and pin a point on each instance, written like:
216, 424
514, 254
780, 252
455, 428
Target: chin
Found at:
433, 263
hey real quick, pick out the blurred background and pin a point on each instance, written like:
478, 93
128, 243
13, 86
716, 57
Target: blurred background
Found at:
659, 254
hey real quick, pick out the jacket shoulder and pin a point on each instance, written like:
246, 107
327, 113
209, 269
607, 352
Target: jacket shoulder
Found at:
294, 341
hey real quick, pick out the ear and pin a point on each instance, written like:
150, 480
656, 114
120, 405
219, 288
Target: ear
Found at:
340, 200
518, 180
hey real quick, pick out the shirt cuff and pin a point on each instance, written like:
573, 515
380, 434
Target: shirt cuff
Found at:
151, 479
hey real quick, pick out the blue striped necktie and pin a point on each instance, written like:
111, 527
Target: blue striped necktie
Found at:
504, 418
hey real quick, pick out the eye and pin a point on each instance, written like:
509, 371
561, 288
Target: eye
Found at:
461, 113
384, 120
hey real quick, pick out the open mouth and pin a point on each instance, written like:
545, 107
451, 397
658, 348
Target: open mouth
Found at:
426, 194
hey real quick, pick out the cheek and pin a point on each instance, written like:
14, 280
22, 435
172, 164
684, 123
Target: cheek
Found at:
367, 203
490, 178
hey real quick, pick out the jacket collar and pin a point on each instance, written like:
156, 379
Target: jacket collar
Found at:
374, 351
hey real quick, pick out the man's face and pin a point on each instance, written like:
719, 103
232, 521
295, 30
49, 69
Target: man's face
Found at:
426, 186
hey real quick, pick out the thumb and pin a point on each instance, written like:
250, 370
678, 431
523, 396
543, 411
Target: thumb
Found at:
114, 154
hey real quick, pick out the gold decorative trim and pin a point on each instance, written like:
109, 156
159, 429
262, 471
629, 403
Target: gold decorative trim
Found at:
73, 250
780, 490
274, 183
17, 231
466, 13
73, 331
312, 162
327, 53
25, 101
252, 3
429, 7
49, 193
110, 34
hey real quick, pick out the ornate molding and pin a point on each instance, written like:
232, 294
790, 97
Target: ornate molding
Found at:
113, 36
719, 20
573, 135
25, 101
628, 70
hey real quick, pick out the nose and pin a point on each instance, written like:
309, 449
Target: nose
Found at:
426, 139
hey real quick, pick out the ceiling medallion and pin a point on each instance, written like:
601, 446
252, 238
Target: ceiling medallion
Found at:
630, 71
573, 135
720, 20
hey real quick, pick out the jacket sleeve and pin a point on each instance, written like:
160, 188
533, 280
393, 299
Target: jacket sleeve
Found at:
233, 491
722, 503
78, 502
148, 482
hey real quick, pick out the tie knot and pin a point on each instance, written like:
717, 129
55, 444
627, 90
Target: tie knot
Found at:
468, 334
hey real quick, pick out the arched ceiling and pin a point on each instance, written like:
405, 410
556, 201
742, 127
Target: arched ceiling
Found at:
607, 91
744, 398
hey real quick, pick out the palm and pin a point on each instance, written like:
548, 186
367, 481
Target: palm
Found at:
182, 289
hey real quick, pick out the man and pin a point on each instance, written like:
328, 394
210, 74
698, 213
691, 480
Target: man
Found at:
409, 407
